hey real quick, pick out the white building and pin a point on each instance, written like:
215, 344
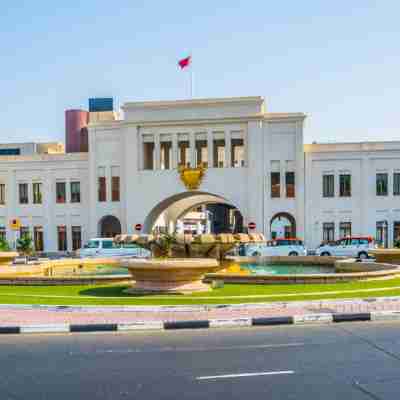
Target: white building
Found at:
255, 161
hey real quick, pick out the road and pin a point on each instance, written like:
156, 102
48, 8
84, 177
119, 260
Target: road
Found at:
340, 361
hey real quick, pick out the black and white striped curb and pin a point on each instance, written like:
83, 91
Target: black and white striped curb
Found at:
304, 319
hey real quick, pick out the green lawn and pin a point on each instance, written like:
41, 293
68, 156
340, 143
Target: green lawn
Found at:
113, 294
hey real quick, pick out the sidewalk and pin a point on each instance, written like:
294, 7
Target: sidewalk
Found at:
25, 315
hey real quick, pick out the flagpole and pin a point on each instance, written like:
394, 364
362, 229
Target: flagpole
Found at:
191, 76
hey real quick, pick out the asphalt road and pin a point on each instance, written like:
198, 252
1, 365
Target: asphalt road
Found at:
340, 361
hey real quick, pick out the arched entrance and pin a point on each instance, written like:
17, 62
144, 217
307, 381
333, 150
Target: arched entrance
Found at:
109, 226
283, 225
194, 212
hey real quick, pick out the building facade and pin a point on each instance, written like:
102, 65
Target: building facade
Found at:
253, 161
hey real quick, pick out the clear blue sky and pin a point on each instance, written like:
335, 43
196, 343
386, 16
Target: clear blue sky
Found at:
338, 61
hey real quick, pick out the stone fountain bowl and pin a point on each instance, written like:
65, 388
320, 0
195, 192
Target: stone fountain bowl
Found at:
175, 275
388, 256
6, 257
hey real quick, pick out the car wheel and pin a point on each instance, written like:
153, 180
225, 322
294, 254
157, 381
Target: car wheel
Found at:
293, 254
325, 254
363, 255
256, 254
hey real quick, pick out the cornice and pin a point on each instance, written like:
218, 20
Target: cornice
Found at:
192, 102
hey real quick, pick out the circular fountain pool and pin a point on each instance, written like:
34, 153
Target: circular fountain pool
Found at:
285, 269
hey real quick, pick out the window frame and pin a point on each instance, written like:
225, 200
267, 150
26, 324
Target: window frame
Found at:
59, 199
385, 181
290, 194
343, 190
2, 194
73, 193
23, 200
328, 194
396, 188
35, 193
275, 187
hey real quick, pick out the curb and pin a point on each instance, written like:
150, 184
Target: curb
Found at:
305, 319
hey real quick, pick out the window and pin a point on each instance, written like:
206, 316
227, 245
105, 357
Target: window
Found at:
183, 152
38, 238
328, 185
396, 184
23, 193
101, 184
75, 192
3, 234
108, 244
115, 188
24, 232
237, 153
328, 231
62, 238
148, 155
275, 184
2, 193
290, 184
166, 155
76, 233
345, 185
382, 184
37, 193
396, 231
345, 229
61, 192
219, 153
201, 153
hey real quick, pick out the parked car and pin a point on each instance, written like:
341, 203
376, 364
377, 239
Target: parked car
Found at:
354, 246
277, 247
106, 247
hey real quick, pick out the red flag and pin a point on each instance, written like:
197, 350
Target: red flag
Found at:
185, 62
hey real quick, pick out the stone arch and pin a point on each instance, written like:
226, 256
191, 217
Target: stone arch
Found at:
289, 230
176, 205
109, 226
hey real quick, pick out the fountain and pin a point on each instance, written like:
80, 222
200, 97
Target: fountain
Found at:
179, 262
6, 257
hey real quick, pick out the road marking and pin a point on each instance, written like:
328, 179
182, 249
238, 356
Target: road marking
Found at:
190, 349
203, 378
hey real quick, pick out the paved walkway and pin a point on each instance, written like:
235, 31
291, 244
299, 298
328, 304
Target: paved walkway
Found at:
30, 315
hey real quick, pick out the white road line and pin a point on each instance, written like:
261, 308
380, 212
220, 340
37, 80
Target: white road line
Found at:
202, 378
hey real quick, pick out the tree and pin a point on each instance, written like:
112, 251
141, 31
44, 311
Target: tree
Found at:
24, 245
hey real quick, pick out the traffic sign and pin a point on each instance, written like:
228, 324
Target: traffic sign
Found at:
252, 225
15, 224
138, 227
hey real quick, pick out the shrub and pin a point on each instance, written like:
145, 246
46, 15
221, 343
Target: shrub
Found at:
4, 246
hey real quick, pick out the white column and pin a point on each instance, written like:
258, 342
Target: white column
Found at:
140, 157
210, 148
227, 148
245, 145
192, 144
157, 151
174, 159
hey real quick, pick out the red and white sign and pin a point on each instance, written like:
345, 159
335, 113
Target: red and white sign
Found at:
138, 227
252, 225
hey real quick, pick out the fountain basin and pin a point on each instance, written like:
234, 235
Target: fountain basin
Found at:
6, 257
177, 275
389, 256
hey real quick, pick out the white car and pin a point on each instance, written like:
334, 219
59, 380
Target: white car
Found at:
277, 247
356, 247
106, 247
